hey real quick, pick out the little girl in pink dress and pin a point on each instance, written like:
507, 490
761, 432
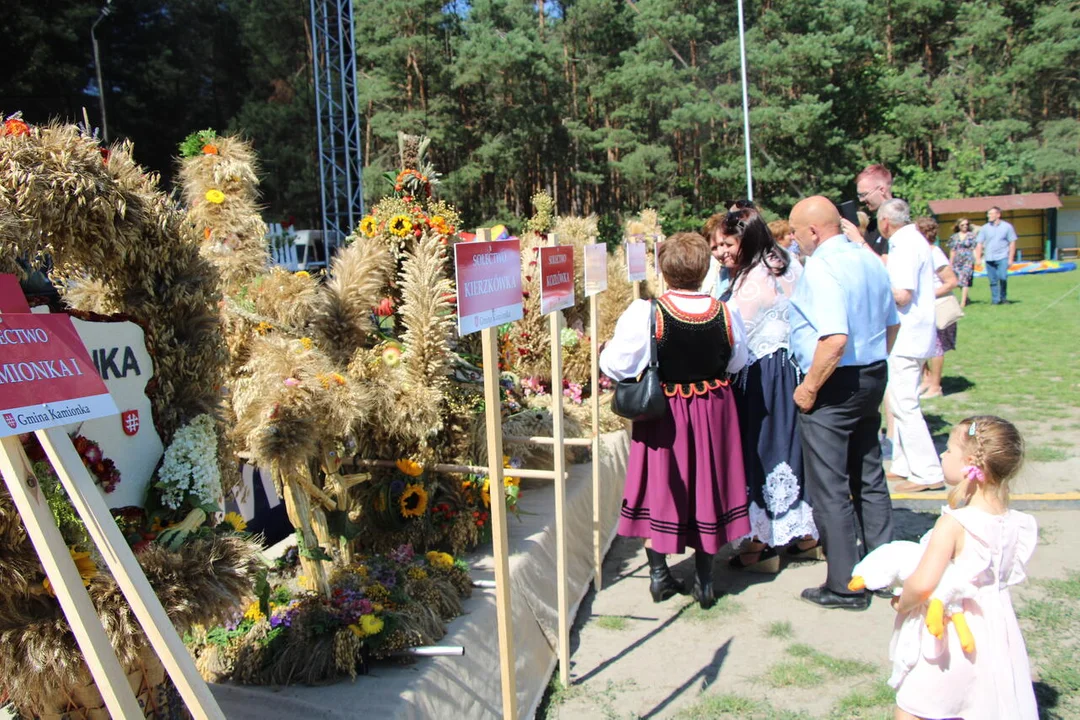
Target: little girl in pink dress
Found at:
981, 536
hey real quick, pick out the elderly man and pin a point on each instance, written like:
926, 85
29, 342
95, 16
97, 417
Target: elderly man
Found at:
911, 272
996, 242
843, 322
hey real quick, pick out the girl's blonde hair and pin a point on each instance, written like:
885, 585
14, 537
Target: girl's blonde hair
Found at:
996, 448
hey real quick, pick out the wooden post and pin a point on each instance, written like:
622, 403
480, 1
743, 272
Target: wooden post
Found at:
594, 402
558, 452
41, 528
140, 595
489, 338
499, 540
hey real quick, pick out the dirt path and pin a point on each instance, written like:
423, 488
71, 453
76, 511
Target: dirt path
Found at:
761, 652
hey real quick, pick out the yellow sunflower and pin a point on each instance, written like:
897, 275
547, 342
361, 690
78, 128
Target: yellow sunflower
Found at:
485, 492
369, 227
400, 225
215, 196
413, 502
302, 274
236, 520
83, 563
410, 467
371, 625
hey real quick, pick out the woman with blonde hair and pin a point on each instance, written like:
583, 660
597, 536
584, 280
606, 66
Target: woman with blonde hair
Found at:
685, 485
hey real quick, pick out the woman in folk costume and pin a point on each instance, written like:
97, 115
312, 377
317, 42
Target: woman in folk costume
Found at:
684, 483
763, 277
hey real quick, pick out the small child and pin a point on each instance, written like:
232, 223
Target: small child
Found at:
992, 544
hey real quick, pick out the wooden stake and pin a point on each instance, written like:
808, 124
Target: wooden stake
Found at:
637, 289
594, 402
500, 543
41, 527
91, 506
558, 453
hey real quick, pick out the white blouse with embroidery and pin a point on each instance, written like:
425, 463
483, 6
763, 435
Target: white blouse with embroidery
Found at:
763, 299
627, 353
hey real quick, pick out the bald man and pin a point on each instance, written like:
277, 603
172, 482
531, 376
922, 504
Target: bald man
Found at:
843, 324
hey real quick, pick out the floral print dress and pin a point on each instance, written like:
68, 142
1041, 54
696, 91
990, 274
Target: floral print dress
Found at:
963, 263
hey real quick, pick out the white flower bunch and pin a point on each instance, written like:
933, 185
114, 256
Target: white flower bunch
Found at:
190, 466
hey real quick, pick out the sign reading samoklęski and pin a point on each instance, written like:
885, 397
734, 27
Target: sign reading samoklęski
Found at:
488, 284
636, 261
595, 269
46, 376
556, 278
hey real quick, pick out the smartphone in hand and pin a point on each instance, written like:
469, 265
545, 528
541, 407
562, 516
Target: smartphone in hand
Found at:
849, 210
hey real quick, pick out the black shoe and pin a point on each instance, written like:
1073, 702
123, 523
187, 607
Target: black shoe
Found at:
662, 584
703, 587
826, 598
883, 593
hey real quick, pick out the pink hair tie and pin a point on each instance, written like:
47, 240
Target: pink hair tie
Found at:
974, 473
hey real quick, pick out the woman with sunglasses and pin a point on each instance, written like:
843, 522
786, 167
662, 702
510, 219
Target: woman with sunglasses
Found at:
763, 279
962, 256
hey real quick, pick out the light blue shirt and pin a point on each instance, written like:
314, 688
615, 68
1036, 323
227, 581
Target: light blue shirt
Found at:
844, 290
995, 240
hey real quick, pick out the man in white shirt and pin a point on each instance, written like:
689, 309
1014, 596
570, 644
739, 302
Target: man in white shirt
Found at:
911, 272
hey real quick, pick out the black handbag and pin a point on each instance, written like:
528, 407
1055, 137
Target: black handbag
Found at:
642, 398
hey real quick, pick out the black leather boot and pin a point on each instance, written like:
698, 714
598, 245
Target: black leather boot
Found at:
703, 587
662, 584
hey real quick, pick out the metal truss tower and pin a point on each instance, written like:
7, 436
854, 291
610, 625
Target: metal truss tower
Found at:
338, 118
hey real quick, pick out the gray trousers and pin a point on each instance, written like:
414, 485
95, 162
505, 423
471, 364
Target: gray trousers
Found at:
845, 481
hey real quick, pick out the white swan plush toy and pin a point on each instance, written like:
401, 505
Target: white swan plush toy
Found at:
889, 566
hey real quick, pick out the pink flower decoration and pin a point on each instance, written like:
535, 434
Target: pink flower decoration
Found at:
974, 473
291, 382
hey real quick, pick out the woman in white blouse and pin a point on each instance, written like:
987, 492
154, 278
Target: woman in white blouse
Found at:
763, 280
684, 481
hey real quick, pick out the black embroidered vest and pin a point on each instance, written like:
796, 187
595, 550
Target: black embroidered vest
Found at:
693, 349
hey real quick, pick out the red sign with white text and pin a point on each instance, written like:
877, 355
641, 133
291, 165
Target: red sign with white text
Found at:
556, 278
12, 299
635, 261
488, 284
46, 376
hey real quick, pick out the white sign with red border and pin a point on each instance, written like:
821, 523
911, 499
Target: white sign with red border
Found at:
595, 269
636, 262
46, 376
488, 284
556, 278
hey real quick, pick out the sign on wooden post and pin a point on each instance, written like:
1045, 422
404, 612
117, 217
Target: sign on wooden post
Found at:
556, 293
595, 283
488, 278
48, 381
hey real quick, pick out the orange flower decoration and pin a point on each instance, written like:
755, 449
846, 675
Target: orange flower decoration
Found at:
209, 149
410, 467
16, 127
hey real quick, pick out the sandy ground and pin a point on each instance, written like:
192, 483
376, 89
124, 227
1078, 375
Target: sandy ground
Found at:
632, 658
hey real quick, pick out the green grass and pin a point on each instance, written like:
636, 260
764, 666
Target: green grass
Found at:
735, 707
725, 607
811, 667
1046, 454
872, 701
611, 622
793, 673
780, 629
1050, 617
834, 666
1017, 360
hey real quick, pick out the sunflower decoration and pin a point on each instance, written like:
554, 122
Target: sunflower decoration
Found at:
235, 521
438, 224
83, 563
410, 467
369, 227
401, 225
485, 492
215, 196
414, 500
